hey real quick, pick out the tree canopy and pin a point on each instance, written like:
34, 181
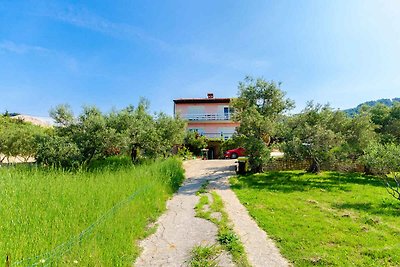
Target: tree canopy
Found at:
259, 107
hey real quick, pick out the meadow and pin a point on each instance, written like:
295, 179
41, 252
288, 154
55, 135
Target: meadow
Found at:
89, 217
330, 219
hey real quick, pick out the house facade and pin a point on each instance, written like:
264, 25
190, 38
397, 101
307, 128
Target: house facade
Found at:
210, 117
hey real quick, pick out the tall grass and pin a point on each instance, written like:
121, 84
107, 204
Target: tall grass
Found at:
41, 209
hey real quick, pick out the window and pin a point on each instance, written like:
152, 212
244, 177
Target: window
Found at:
226, 113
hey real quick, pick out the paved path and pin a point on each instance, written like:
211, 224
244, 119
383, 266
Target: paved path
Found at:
261, 250
179, 230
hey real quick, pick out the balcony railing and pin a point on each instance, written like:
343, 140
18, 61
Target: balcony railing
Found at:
208, 117
221, 135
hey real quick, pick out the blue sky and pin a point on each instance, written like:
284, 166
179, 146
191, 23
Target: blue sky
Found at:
110, 53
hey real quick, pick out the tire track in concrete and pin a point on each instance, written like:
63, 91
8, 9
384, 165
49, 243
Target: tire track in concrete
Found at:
178, 229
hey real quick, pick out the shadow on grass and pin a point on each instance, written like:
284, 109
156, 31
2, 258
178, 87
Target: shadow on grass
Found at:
290, 181
386, 208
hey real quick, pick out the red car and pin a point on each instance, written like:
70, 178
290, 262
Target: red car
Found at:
235, 153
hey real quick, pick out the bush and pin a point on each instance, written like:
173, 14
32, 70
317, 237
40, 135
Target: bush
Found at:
195, 142
58, 151
185, 153
384, 160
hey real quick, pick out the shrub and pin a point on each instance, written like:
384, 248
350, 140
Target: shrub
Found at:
384, 160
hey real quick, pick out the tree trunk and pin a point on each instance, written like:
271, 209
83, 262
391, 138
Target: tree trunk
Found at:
88, 160
134, 153
368, 170
314, 167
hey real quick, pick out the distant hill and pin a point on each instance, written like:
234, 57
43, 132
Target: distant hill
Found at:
385, 101
39, 121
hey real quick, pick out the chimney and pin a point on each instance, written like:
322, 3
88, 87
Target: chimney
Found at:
210, 95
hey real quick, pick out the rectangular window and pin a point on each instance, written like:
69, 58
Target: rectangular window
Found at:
226, 113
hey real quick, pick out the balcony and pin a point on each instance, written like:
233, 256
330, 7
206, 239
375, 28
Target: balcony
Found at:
221, 135
208, 117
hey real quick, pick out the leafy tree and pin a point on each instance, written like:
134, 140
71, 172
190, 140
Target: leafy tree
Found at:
195, 142
387, 120
18, 138
359, 133
89, 132
171, 131
139, 131
259, 107
58, 151
383, 159
314, 134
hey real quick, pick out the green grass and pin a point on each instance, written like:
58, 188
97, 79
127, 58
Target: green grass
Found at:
329, 219
227, 238
204, 256
41, 209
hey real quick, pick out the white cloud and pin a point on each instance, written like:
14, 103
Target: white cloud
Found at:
83, 18
68, 61
10, 46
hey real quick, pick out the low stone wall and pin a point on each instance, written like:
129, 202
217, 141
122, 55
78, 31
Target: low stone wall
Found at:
286, 165
291, 165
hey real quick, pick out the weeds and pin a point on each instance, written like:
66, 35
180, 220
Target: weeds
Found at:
203, 188
205, 256
227, 238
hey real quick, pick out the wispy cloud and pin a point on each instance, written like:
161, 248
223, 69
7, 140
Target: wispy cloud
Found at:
68, 61
10, 46
83, 18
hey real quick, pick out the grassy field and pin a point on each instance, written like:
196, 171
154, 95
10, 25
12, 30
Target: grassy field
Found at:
43, 212
329, 219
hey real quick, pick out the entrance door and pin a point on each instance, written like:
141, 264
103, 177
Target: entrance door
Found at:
210, 153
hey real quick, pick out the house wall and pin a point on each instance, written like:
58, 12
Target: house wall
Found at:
213, 128
192, 108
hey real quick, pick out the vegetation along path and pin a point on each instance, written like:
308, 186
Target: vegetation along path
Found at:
179, 230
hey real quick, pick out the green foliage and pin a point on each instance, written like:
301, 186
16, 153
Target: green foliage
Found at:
360, 107
204, 256
267, 97
358, 132
94, 135
231, 144
227, 238
258, 153
384, 160
58, 151
314, 134
87, 135
259, 108
184, 152
42, 208
18, 138
171, 131
329, 219
195, 142
388, 121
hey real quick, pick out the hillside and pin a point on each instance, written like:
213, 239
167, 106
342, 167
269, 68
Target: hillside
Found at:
385, 101
39, 121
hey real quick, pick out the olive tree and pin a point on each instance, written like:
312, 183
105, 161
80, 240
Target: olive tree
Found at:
313, 134
383, 160
259, 107
18, 138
